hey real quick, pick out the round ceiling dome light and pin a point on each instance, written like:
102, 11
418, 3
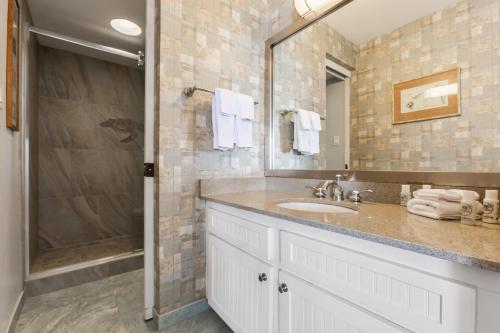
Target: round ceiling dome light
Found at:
304, 7
126, 27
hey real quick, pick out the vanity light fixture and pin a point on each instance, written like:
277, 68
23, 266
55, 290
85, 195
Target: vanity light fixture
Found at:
126, 27
305, 7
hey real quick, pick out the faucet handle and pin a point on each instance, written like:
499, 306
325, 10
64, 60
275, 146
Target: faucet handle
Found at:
319, 191
356, 195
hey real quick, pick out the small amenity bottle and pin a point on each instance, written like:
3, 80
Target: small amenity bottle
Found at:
405, 195
490, 204
468, 208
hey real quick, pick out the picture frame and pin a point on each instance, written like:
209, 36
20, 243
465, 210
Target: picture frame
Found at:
429, 97
12, 98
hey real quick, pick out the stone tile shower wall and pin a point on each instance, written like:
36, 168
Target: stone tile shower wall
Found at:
90, 150
209, 44
300, 82
464, 35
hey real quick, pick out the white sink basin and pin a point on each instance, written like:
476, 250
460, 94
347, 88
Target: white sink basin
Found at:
315, 207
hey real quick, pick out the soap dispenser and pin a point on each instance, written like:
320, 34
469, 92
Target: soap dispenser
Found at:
490, 204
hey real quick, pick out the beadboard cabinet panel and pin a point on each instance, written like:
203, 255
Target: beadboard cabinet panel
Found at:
237, 288
417, 301
304, 308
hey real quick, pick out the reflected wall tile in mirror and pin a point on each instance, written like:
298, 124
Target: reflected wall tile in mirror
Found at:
460, 35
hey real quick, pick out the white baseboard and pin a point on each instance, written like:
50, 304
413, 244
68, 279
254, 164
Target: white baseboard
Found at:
15, 313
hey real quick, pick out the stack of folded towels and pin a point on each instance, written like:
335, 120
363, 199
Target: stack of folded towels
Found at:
232, 120
439, 204
307, 125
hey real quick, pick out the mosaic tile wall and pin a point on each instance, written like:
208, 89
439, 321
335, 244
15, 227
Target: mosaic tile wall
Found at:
300, 82
91, 136
209, 44
464, 35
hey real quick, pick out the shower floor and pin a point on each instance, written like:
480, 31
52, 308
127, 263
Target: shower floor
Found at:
74, 255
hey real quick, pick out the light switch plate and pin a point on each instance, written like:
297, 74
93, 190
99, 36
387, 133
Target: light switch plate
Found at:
336, 140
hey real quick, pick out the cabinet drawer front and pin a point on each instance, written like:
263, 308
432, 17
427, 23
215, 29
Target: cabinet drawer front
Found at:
304, 308
247, 235
234, 289
412, 299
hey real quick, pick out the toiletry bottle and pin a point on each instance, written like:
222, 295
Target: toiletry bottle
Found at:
405, 195
426, 187
490, 204
468, 208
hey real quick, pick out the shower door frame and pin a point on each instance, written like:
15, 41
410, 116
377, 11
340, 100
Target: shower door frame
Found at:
149, 157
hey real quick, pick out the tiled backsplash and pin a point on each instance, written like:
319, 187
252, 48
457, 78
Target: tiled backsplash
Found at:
382, 192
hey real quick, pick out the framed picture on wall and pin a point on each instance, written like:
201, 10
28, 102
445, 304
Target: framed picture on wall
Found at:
429, 97
13, 60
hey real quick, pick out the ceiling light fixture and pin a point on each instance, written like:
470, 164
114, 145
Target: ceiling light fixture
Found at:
305, 7
126, 27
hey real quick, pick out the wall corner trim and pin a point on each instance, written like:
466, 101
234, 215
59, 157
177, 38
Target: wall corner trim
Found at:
16, 313
170, 318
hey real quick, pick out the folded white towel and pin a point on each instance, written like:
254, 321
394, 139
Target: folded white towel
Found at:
244, 121
246, 107
315, 121
439, 210
223, 119
314, 133
301, 131
440, 194
305, 119
226, 101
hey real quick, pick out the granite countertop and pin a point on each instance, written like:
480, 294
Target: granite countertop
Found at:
392, 225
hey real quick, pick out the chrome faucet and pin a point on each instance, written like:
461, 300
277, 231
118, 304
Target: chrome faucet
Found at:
322, 191
356, 195
337, 190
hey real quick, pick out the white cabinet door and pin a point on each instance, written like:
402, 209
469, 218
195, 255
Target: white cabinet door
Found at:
237, 288
306, 309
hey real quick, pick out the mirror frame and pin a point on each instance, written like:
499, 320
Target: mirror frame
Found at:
478, 179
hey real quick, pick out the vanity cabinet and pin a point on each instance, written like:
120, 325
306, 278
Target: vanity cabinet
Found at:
239, 287
304, 308
271, 275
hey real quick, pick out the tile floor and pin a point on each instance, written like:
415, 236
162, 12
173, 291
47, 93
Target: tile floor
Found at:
111, 305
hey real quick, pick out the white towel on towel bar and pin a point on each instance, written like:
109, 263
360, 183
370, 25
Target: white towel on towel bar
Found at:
314, 132
223, 118
301, 131
244, 121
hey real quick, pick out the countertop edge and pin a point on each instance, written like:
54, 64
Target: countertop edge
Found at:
376, 238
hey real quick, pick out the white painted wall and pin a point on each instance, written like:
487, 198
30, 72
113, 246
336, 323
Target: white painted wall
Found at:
335, 125
11, 247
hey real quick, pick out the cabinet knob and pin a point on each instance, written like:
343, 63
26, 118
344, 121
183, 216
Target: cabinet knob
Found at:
283, 288
262, 277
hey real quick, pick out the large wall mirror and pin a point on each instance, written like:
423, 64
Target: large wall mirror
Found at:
398, 86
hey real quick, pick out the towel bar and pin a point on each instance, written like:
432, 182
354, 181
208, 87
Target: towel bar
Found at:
189, 92
285, 112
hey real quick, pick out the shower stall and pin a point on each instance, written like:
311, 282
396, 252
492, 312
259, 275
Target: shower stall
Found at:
84, 143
